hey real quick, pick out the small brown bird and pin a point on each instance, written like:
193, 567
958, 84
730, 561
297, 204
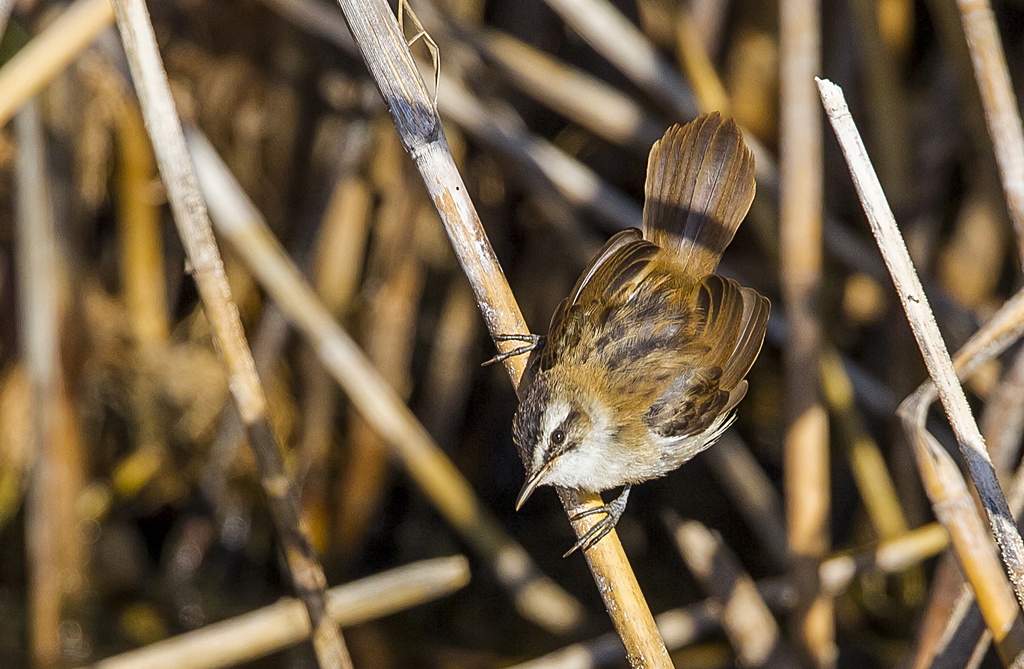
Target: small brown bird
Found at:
645, 360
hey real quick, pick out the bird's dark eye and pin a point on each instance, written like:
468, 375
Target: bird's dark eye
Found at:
558, 437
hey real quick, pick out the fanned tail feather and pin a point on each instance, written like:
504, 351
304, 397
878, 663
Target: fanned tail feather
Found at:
700, 183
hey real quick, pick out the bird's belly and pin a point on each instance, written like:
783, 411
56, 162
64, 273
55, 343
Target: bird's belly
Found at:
610, 464
594, 469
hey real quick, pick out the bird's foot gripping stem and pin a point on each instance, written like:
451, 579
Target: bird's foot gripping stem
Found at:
612, 511
533, 341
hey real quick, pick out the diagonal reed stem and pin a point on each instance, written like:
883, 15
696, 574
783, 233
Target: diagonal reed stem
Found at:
208, 271
926, 331
391, 65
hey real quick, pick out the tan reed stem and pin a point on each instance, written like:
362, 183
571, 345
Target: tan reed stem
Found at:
537, 597
46, 56
259, 633
964, 627
1000, 105
39, 285
389, 61
208, 271
806, 444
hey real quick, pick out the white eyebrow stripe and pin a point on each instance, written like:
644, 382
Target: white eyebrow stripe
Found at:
553, 416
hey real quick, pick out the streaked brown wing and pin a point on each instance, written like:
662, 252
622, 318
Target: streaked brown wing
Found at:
728, 329
600, 264
689, 406
604, 286
753, 324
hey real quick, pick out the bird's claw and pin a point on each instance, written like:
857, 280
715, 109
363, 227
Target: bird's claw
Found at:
600, 530
534, 342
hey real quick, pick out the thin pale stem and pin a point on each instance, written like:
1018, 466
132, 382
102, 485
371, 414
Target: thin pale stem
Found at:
926, 331
208, 271
259, 633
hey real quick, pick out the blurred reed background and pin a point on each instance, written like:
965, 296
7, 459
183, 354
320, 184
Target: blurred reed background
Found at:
133, 513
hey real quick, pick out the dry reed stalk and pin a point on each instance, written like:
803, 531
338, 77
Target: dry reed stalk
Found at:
870, 473
953, 634
46, 56
805, 449
396, 273
746, 620
896, 25
710, 19
337, 266
750, 71
536, 597
578, 96
143, 291
390, 63
15, 439
999, 103
950, 626
752, 492
54, 547
140, 243
935, 464
612, 35
699, 69
196, 235
264, 631
955, 509
956, 636
450, 367
884, 97
341, 244
684, 626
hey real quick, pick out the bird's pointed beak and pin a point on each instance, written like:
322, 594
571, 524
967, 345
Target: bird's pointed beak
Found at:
532, 482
